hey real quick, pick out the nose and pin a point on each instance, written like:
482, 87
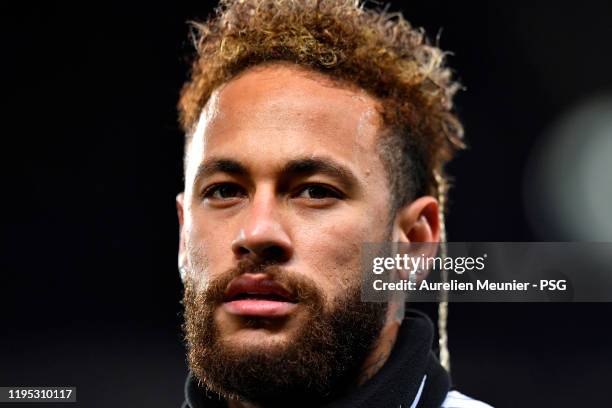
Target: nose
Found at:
263, 237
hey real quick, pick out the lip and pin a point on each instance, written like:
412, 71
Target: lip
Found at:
257, 295
257, 307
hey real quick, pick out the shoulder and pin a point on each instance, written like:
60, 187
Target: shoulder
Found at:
455, 399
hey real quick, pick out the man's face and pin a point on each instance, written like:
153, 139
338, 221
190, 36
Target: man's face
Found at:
283, 184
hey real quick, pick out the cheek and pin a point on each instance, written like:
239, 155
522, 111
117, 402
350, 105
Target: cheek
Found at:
333, 251
209, 249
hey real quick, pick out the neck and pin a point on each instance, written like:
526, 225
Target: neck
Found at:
384, 345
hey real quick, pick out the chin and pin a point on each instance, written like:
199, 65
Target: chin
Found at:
262, 333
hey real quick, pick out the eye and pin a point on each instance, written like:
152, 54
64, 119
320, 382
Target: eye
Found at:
318, 192
224, 191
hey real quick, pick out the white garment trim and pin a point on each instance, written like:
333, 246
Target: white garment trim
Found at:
455, 399
418, 396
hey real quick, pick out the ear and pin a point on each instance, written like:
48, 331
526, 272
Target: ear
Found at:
182, 253
418, 221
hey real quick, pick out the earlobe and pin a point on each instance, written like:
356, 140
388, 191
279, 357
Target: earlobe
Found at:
418, 221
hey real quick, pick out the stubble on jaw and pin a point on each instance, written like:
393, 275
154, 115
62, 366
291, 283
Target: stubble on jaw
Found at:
320, 359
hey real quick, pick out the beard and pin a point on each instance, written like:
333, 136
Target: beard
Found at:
319, 360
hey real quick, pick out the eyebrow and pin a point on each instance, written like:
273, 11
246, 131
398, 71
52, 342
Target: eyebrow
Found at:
227, 166
320, 165
297, 167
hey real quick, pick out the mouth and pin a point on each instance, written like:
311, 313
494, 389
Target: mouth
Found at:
257, 295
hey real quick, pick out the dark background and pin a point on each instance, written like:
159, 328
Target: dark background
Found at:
91, 162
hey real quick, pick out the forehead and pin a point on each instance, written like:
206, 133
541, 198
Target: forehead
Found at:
275, 112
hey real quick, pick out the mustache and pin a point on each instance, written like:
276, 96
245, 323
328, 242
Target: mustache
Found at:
301, 288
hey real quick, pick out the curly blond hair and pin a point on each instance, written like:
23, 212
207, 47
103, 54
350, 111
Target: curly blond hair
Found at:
377, 51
